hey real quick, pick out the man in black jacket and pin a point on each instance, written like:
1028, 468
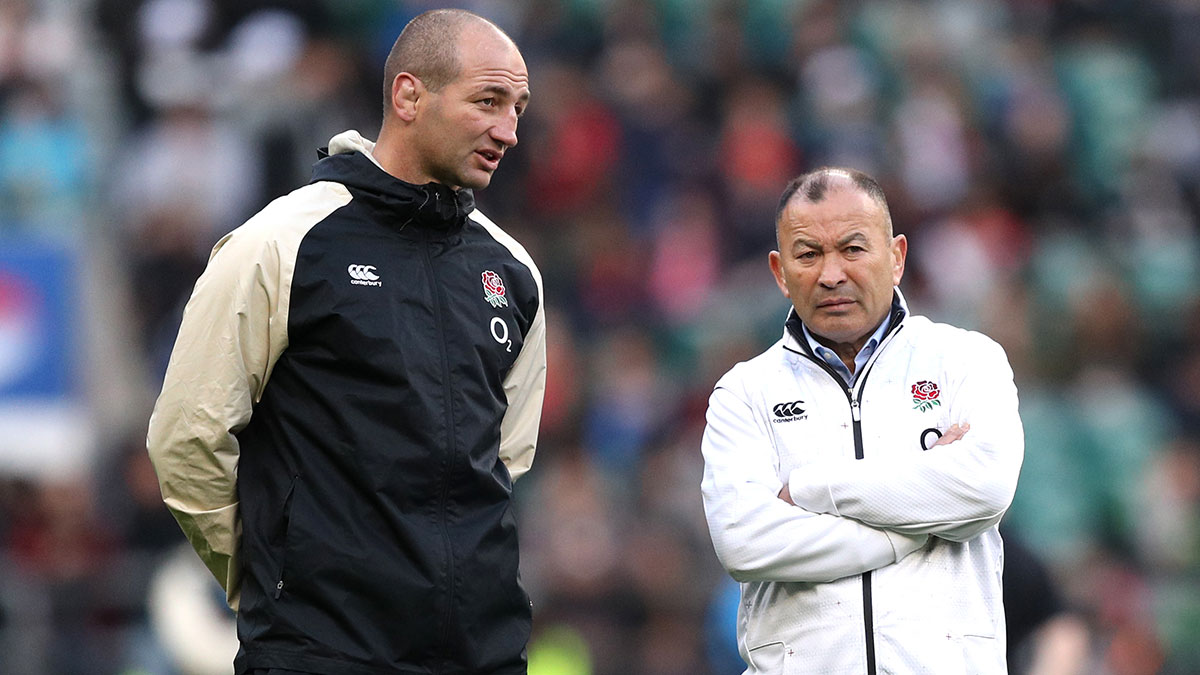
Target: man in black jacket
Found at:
357, 382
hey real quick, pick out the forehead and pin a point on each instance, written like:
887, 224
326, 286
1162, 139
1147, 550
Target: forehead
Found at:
488, 58
842, 211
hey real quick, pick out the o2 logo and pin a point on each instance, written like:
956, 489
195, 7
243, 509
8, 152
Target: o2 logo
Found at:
926, 441
500, 333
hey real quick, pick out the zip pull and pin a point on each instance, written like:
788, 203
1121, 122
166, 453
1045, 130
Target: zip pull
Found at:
854, 412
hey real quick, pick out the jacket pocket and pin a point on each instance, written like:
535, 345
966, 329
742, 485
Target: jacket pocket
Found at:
768, 659
281, 537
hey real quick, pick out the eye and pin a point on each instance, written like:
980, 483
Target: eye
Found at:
489, 101
807, 255
854, 248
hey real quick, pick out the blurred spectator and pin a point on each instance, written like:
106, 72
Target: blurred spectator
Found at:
575, 147
182, 181
630, 400
1045, 635
964, 256
46, 153
61, 553
45, 163
1168, 528
757, 156
190, 617
686, 262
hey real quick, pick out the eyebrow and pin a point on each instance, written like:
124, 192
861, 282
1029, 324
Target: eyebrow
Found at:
856, 235
816, 246
805, 243
501, 90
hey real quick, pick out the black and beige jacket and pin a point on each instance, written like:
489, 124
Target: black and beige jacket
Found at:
357, 382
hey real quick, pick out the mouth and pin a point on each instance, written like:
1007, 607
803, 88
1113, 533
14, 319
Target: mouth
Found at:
835, 303
491, 158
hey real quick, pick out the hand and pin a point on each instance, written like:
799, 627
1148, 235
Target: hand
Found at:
786, 495
954, 433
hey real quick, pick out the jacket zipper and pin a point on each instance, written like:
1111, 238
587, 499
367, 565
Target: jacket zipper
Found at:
448, 460
855, 402
868, 605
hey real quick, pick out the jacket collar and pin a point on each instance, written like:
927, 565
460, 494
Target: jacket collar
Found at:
434, 208
793, 331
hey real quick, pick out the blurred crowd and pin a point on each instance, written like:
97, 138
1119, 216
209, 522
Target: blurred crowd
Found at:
1043, 158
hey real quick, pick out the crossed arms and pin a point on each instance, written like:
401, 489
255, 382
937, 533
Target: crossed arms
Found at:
847, 517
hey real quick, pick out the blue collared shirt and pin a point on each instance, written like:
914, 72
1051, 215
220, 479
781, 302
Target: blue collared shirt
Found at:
860, 359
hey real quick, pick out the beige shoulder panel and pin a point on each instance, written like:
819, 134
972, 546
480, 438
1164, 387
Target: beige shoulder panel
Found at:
233, 331
525, 384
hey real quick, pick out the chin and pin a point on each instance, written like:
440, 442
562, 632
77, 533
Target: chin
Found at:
836, 332
475, 182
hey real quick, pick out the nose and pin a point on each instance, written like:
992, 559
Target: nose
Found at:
505, 131
833, 273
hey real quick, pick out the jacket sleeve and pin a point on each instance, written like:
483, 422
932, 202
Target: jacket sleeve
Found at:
525, 388
759, 537
954, 491
233, 330
525, 383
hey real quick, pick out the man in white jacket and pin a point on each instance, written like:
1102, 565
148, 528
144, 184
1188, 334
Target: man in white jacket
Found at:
856, 471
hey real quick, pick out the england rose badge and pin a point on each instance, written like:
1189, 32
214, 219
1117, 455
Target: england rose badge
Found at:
493, 289
925, 395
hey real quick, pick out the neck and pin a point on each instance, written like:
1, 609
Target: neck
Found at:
391, 153
846, 351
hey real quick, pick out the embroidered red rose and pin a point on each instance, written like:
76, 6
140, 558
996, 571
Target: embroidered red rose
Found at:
925, 395
493, 289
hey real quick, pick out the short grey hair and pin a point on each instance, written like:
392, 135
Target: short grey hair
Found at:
814, 185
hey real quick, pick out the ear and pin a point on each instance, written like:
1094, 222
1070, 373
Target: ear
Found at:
776, 263
407, 90
899, 253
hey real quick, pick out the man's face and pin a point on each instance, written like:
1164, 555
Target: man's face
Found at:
837, 264
465, 128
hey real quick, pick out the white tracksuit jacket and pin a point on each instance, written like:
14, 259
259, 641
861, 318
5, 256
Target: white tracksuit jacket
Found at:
891, 561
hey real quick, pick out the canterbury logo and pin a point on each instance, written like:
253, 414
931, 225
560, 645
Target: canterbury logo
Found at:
786, 412
363, 275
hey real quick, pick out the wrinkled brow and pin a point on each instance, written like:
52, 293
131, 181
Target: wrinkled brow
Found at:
802, 242
853, 236
506, 92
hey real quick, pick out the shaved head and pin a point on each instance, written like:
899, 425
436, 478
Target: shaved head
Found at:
454, 90
428, 49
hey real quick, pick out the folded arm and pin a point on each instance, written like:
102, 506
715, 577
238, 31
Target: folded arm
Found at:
758, 537
955, 490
